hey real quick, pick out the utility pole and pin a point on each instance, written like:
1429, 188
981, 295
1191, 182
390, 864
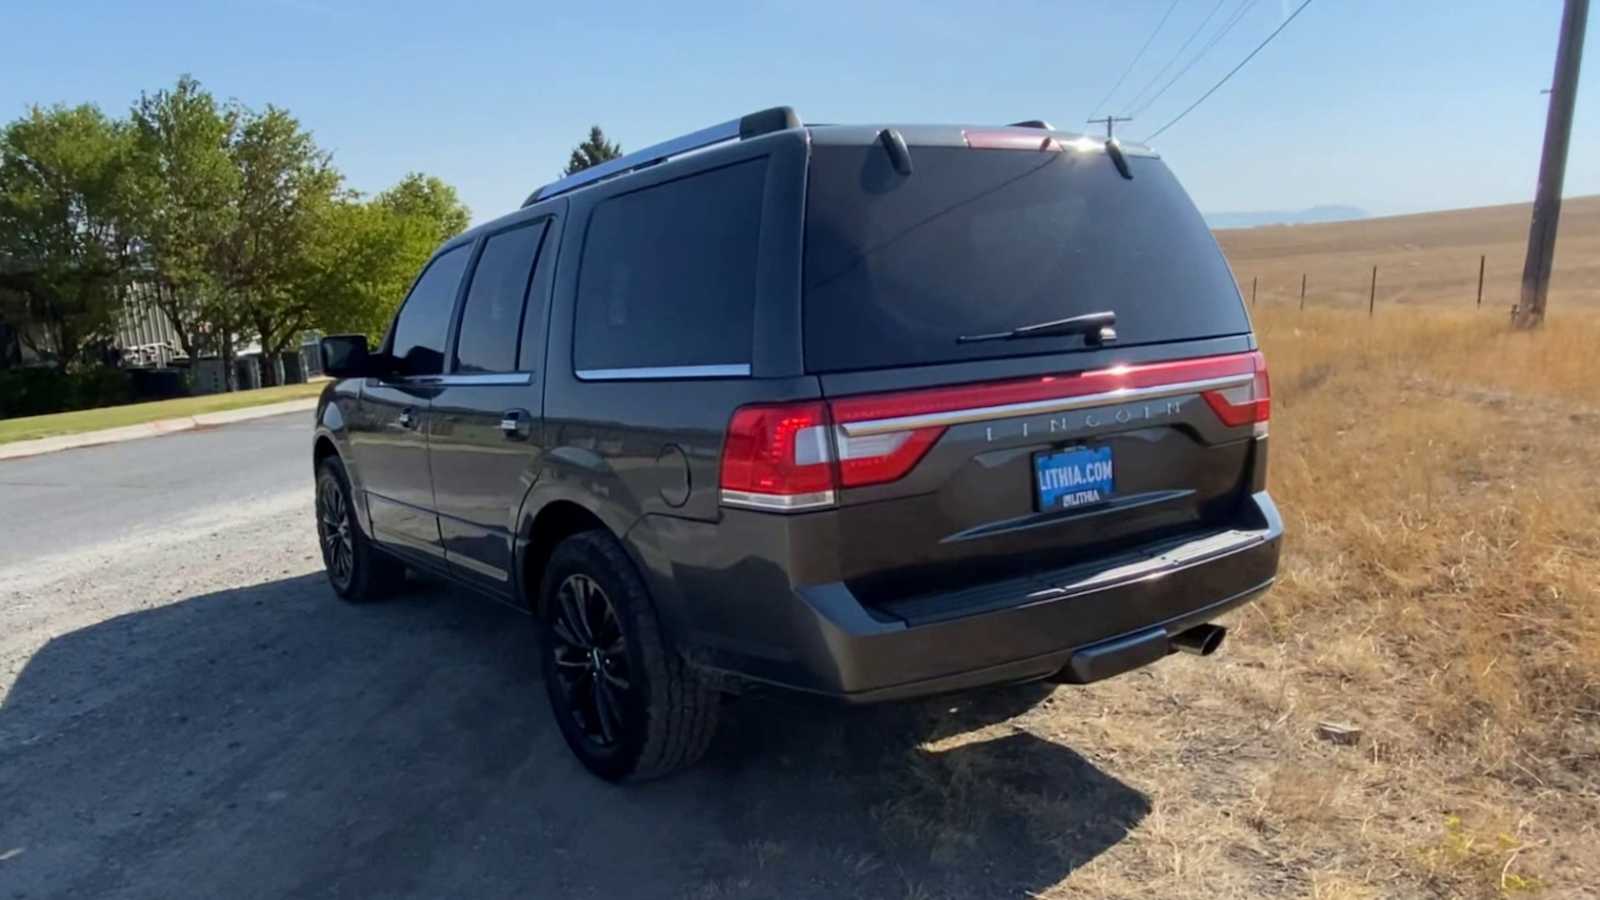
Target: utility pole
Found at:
1110, 122
1552, 166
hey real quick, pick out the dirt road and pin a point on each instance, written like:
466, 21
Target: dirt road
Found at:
186, 711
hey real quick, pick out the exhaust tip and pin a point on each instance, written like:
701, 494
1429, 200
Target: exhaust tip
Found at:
1201, 640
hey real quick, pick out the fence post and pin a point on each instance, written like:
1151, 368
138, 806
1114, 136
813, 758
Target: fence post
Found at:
1253, 280
1302, 290
1372, 295
1481, 258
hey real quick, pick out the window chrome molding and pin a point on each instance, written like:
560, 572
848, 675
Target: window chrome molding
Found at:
1037, 407
778, 502
474, 378
658, 373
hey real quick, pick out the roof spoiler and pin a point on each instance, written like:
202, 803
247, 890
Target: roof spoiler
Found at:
766, 121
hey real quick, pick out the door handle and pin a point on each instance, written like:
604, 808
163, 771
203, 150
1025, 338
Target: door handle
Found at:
514, 424
407, 418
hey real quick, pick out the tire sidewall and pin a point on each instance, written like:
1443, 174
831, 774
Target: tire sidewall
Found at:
359, 585
583, 555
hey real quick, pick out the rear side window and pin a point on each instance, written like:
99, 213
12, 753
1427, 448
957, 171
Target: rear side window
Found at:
669, 273
419, 332
491, 319
982, 241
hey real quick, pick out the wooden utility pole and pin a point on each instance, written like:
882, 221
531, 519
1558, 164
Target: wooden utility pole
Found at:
1552, 166
1372, 296
1482, 258
1253, 280
1110, 121
1302, 290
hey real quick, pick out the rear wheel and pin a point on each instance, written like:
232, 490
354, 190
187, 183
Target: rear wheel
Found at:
627, 703
357, 571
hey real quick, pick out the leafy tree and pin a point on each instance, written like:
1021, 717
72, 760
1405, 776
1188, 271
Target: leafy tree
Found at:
287, 191
372, 251
592, 152
188, 187
66, 241
428, 202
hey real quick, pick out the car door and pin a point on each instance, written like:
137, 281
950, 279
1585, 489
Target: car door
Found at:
388, 434
484, 431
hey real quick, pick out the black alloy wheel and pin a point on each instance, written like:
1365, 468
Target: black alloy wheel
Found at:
334, 531
591, 660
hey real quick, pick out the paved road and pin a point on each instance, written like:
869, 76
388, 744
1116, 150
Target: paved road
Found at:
185, 711
77, 498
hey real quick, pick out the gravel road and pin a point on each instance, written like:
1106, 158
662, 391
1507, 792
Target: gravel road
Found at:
186, 711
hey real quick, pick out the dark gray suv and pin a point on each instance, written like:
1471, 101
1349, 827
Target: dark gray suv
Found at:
864, 412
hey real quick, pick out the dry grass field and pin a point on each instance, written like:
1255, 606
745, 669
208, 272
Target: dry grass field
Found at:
1440, 591
1429, 259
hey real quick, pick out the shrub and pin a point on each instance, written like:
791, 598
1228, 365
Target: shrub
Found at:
39, 391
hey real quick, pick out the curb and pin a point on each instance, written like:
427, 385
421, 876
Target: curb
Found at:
19, 449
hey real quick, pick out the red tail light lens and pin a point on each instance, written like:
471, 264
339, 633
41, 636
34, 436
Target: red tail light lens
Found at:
1249, 404
789, 457
882, 457
778, 457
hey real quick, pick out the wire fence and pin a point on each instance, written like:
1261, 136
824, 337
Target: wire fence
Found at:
1459, 283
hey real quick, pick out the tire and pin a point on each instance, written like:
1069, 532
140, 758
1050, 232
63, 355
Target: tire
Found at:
627, 703
357, 571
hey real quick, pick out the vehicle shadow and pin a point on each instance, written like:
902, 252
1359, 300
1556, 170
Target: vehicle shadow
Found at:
269, 741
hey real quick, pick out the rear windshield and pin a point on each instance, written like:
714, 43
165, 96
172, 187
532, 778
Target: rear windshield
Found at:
978, 241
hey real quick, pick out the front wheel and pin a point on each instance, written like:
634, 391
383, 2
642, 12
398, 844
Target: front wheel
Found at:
627, 704
357, 571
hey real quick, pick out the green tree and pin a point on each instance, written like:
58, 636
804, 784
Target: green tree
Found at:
429, 203
188, 191
373, 250
288, 188
592, 152
66, 241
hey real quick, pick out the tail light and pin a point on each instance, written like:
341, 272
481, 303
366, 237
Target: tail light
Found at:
1247, 404
779, 457
792, 457
796, 456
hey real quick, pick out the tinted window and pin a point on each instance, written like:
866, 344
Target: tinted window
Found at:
669, 273
979, 241
420, 331
492, 316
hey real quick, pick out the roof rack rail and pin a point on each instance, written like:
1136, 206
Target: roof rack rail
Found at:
778, 118
1033, 123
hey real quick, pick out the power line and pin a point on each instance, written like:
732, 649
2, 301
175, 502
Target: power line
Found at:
1239, 13
1157, 133
1175, 56
1136, 57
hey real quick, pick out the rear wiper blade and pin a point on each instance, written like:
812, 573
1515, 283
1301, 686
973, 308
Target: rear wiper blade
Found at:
1096, 328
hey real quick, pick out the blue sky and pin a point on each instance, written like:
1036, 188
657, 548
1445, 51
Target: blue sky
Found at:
1390, 105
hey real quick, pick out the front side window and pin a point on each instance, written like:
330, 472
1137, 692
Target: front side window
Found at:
419, 333
668, 275
491, 318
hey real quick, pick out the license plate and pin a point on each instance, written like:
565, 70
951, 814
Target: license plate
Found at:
1072, 478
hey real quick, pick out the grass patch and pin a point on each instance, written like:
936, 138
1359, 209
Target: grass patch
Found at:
32, 427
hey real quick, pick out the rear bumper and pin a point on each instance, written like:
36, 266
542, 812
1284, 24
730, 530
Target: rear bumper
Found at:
820, 639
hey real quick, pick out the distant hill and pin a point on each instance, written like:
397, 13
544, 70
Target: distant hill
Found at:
1284, 217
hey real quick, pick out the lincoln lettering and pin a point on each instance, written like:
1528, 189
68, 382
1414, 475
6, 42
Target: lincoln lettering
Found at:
1094, 418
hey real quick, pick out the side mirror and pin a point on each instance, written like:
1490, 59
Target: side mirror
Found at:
346, 356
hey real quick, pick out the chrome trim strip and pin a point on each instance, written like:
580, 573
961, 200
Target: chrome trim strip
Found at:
1038, 407
489, 378
777, 502
655, 373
